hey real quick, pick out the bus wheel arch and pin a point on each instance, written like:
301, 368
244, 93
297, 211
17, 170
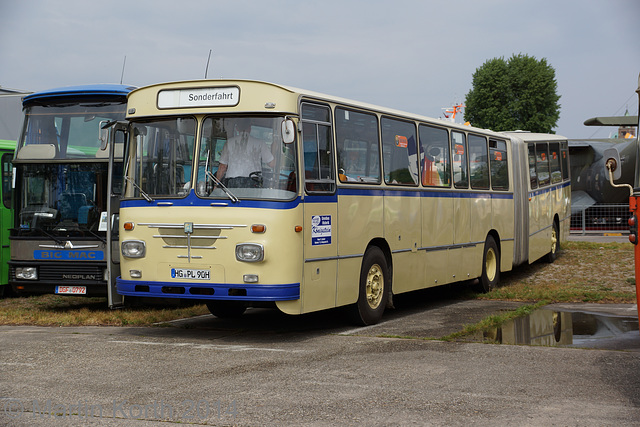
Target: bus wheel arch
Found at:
374, 286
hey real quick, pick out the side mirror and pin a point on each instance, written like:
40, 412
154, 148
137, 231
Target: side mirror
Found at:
103, 135
288, 131
612, 162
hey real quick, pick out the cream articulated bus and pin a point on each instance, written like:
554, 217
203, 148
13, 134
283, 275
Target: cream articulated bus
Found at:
348, 205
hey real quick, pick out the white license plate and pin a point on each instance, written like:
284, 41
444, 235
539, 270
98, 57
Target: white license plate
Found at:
72, 290
187, 273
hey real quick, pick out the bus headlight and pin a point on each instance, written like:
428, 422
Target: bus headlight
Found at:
249, 252
133, 248
27, 273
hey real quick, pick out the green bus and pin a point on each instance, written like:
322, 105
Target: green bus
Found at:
6, 217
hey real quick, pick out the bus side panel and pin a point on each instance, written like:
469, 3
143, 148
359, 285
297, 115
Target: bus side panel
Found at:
504, 224
318, 289
361, 221
481, 223
539, 230
565, 215
461, 236
437, 236
402, 221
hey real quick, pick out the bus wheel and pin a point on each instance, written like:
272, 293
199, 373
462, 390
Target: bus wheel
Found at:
555, 245
226, 309
373, 293
490, 266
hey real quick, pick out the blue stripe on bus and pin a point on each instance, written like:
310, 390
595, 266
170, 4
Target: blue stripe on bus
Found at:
193, 200
419, 192
221, 291
549, 189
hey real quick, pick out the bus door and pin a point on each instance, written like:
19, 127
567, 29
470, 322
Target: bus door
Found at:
539, 211
6, 218
462, 205
318, 290
117, 136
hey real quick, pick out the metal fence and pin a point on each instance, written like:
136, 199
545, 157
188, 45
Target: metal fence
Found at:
601, 218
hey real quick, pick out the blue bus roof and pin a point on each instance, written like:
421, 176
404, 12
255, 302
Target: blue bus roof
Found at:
84, 90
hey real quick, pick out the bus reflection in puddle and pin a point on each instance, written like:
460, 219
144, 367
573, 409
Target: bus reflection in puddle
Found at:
567, 329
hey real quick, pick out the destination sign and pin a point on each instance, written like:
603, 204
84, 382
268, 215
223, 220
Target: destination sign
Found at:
69, 255
201, 97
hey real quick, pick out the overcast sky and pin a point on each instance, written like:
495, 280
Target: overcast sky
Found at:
417, 56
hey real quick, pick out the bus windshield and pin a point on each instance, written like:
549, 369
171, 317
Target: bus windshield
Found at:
239, 157
63, 199
71, 129
161, 154
247, 157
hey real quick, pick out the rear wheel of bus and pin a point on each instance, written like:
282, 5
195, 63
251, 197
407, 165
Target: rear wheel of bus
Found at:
490, 266
373, 289
555, 244
226, 309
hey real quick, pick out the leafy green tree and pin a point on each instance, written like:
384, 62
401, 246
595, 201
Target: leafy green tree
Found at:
517, 94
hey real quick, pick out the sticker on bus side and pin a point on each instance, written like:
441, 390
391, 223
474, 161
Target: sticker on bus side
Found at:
321, 230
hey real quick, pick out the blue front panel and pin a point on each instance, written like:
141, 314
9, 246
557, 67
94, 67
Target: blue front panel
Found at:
217, 291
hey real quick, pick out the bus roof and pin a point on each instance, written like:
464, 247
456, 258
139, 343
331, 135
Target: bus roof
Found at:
83, 90
535, 137
307, 94
6, 144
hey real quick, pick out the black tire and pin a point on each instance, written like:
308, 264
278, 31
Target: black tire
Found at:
226, 309
555, 244
490, 266
373, 289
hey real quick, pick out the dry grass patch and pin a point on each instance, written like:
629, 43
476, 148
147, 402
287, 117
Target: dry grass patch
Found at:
584, 272
57, 310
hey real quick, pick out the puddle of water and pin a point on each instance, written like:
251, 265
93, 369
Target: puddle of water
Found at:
568, 329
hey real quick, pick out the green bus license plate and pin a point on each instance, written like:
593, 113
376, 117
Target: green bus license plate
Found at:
187, 273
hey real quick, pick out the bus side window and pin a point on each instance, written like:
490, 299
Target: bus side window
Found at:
554, 162
499, 165
434, 157
7, 173
565, 161
459, 154
400, 153
478, 162
533, 175
542, 163
317, 148
357, 145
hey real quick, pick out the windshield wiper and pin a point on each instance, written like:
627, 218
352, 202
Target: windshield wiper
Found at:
93, 233
142, 192
229, 194
51, 236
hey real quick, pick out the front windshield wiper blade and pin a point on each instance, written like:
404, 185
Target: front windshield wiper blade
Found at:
51, 236
229, 194
142, 192
93, 233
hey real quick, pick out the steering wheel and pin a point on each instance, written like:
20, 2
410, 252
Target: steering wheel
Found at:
257, 177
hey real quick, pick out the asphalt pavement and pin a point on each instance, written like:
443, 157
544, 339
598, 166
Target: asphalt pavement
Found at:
572, 364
